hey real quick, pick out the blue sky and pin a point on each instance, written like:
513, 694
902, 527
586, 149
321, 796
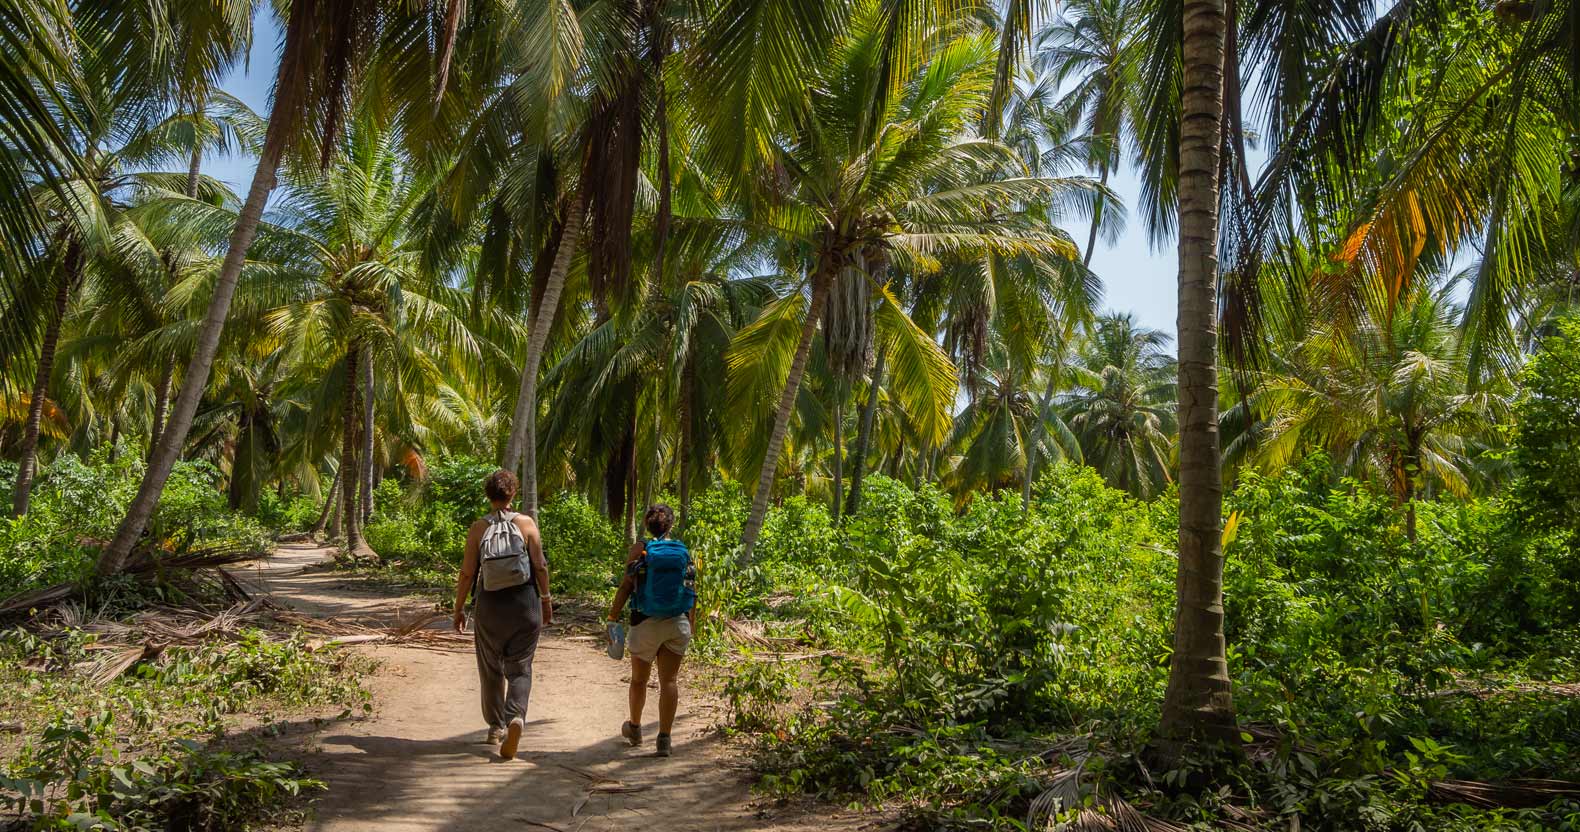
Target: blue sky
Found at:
1136, 279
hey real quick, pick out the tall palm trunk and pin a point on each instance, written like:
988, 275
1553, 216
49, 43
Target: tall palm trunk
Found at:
366, 477
1198, 704
168, 370
337, 516
282, 121
161, 404
521, 451
776, 439
1097, 217
329, 506
1038, 436
46, 365
688, 377
348, 454
630, 489
839, 462
869, 411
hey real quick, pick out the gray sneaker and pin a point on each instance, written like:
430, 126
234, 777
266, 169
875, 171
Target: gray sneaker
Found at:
632, 733
662, 746
495, 735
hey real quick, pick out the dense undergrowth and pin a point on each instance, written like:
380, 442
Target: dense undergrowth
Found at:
154, 748
77, 504
159, 745
974, 654
959, 663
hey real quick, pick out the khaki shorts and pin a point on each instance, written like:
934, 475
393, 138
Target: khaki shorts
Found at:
672, 634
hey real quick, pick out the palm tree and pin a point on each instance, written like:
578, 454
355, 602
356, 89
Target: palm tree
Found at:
908, 184
323, 43
1003, 430
1197, 703
1388, 397
36, 79
87, 223
1121, 405
350, 256
1471, 164
1093, 44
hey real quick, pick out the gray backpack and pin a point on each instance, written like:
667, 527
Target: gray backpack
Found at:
502, 553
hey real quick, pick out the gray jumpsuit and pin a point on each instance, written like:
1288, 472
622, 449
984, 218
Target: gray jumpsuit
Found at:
507, 625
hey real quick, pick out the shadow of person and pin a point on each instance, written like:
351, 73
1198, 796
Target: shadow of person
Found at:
393, 785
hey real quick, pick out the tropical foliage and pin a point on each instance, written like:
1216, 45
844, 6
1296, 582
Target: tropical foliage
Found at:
828, 275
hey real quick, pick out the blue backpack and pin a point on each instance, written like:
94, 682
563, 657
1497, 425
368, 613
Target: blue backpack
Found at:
665, 580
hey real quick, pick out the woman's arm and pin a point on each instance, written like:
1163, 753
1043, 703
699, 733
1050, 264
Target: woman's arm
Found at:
463, 581
627, 583
540, 564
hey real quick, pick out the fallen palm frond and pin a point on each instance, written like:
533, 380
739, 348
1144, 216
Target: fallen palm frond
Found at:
121, 643
413, 631
1064, 806
198, 565
1514, 794
37, 598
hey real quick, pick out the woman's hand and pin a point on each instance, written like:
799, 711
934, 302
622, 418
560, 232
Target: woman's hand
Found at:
548, 611
459, 620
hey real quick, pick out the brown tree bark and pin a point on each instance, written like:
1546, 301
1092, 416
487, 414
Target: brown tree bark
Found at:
869, 411
521, 451
161, 405
839, 461
28, 463
1198, 704
830, 261
348, 454
329, 507
366, 473
283, 118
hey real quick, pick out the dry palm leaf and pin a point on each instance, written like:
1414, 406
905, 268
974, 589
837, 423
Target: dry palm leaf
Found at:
1515, 794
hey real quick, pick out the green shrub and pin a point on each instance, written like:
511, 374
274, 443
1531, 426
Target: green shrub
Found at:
586, 553
958, 635
292, 513
75, 780
77, 504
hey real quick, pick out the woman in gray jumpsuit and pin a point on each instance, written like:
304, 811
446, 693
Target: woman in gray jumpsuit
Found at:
507, 621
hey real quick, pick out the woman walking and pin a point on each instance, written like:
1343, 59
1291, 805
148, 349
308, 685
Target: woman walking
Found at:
504, 570
660, 580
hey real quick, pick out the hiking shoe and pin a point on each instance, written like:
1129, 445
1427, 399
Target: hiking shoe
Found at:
663, 745
632, 733
495, 735
507, 749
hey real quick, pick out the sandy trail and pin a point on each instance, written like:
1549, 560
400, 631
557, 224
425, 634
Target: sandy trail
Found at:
419, 761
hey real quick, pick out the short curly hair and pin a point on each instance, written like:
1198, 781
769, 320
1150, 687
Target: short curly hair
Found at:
501, 486
658, 520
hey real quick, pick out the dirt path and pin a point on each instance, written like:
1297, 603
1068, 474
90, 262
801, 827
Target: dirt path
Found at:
419, 761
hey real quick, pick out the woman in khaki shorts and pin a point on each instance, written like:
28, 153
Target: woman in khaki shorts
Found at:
660, 641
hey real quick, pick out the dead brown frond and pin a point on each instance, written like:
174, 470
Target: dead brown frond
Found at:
1514, 794
1066, 806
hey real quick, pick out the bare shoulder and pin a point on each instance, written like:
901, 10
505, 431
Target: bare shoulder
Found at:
526, 524
637, 549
